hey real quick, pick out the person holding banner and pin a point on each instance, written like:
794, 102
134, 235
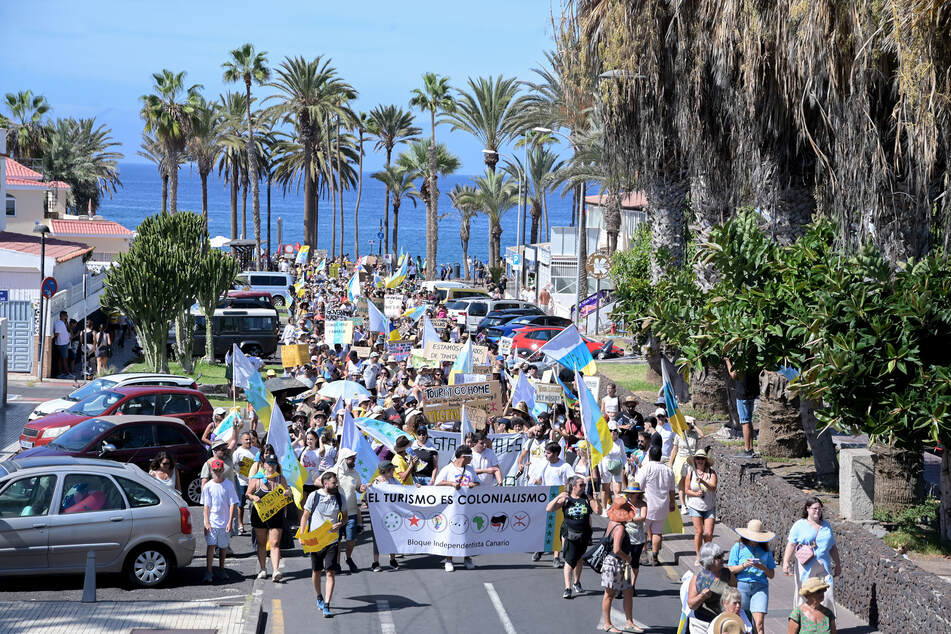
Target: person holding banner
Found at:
268, 531
428, 458
484, 461
458, 474
322, 506
405, 464
385, 471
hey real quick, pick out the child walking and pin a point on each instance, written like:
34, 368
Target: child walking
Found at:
219, 499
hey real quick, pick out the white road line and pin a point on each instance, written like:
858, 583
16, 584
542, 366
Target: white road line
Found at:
618, 619
497, 603
387, 626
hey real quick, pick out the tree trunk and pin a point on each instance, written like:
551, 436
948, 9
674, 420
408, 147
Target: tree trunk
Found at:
536, 219
356, 209
316, 217
652, 356
582, 270
495, 239
386, 211
340, 186
710, 211
164, 193
789, 202
333, 219
244, 207
209, 334
944, 513
780, 425
173, 184
204, 198
666, 200
547, 219
432, 209
824, 459
396, 223
269, 216
612, 220
184, 329
234, 207
255, 183
708, 391
464, 243
899, 477
310, 210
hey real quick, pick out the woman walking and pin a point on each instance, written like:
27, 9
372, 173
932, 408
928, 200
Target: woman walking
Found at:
811, 548
635, 528
616, 573
751, 562
700, 490
575, 531
268, 531
103, 349
812, 616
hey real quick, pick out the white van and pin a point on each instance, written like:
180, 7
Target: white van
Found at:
275, 283
476, 308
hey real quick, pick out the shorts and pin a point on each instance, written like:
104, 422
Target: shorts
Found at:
242, 493
612, 575
572, 550
702, 514
744, 408
636, 550
351, 528
218, 537
62, 352
654, 527
755, 596
326, 559
608, 478
275, 521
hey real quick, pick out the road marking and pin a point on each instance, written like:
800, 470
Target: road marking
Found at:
277, 616
387, 626
497, 603
618, 620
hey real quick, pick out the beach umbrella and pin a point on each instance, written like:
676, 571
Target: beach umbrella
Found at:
343, 389
219, 241
285, 386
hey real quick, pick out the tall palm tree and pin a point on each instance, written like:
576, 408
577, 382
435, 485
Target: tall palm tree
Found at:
27, 110
544, 167
416, 160
80, 153
205, 146
465, 200
362, 123
306, 90
486, 111
249, 66
169, 114
268, 165
391, 126
399, 181
435, 97
233, 161
496, 195
154, 151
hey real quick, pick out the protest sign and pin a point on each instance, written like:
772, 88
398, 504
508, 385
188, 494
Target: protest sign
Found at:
362, 351
244, 467
461, 523
316, 540
449, 412
486, 390
439, 324
482, 369
445, 351
399, 351
505, 345
548, 393
393, 306
418, 360
336, 314
594, 384
338, 332
271, 503
295, 354
507, 447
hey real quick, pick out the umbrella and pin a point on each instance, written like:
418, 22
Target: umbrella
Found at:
343, 389
219, 241
285, 386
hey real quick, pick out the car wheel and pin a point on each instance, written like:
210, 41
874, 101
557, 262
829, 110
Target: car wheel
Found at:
148, 566
278, 301
193, 491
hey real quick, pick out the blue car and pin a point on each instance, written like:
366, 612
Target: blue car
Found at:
508, 328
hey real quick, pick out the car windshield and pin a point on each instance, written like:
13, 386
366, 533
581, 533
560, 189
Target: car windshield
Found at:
91, 388
95, 404
79, 437
455, 305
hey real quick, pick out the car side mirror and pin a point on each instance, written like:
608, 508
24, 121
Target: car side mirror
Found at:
107, 448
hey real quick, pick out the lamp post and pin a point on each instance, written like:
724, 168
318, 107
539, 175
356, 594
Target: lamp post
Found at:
518, 229
42, 229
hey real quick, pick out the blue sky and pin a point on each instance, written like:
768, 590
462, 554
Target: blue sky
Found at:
96, 58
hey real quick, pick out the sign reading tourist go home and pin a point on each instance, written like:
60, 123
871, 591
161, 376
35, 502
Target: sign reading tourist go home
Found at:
598, 265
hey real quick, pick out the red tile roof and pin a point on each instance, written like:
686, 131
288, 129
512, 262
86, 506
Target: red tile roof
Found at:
19, 175
89, 228
29, 243
630, 200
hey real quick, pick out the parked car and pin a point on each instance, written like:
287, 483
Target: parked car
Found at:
509, 328
499, 317
247, 299
106, 382
134, 439
187, 405
255, 330
529, 339
478, 307
55, 509
277, 284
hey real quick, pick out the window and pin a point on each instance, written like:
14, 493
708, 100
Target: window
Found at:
11, 205
138, 406
130, 437
137, 494
87, 493
28, 497
478, 309
168, 436
96, 404
196, 403
277, 280
260, 324
170, 404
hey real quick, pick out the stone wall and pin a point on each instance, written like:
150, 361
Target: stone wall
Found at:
879, 585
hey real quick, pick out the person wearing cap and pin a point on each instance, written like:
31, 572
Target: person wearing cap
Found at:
616, 573
812, 616
706, 587
611, 468
350, 484
268, 531
322, 506
371, 371
666, 434
685, 445
404, 463
575, 530
217, 416
458, 474
218, 499
532, 456
700, 489
751, 562
220, 450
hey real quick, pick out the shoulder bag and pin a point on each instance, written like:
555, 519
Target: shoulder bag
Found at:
595, 555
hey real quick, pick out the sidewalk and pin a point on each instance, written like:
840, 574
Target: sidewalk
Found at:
678, 550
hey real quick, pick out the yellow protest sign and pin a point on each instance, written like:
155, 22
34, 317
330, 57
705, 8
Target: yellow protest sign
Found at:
244, 467
295, 354
317, 539
271, 503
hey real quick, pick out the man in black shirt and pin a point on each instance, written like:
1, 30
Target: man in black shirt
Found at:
629, 422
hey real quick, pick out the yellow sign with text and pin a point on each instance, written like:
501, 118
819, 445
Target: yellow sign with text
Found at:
316, 540
271, 503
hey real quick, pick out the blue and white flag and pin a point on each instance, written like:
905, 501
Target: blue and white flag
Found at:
382, 432
353, 288
466, 426
523, 391
225, 429
242, 367
378, 321
429, 331
367, 460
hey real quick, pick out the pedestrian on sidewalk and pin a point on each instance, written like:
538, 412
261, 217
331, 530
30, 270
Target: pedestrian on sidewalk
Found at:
657, 481
219, 499
811, 548
616, 573
700, 490
575, 530
812, 616
751, 562
706, 587
322, 506
685, 446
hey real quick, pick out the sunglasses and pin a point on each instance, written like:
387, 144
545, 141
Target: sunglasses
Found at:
166, 464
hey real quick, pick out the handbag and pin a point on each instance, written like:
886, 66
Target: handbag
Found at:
595, 555
571, 535
613, 466
805, 553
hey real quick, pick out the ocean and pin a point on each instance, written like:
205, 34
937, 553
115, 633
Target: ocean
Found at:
141, 196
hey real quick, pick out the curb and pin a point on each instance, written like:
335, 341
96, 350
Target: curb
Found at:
254, 608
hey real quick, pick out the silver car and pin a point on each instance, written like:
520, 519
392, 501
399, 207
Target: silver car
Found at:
54, 510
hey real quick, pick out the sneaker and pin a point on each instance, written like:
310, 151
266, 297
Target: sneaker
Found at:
449, 567
536, 556
393, 563
577, 588
557, 562
277, 576
327, 613
241, 530
208, 578
320, 603
468, 562
262, 574
352, 565
566, 594
376, 567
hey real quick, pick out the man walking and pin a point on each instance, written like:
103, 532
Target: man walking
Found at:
349, 485
458, 474
657, 480
324, 505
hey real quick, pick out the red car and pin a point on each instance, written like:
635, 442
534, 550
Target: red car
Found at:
527, 340
189, 406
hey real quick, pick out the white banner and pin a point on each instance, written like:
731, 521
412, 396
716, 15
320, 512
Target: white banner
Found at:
393, 306
461, 523
507, 447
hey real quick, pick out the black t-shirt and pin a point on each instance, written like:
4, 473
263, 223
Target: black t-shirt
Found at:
747, 387
425, 457
629, 436
577, 514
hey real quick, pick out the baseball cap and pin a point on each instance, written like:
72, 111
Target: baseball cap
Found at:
220, 411
217, 465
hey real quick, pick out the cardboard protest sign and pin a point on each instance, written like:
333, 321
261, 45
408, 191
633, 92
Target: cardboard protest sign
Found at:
487, 390
336, 314
450, 412
244, 467
316, 540
548, 393
362, 351
445, 351
505, 345
439, 324
594, 384
418, 360
393, 306
271, 503
482, 369
399, 351
338, 332
295, 354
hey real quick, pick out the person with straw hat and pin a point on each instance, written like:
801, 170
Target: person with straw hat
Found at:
700, 491
635, 527
616, 573
811, 615
751, 561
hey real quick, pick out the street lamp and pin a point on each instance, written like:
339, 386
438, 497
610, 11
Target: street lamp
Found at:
518, 229
42, 229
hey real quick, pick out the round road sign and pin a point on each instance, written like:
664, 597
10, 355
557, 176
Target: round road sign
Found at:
48, 287
598, 265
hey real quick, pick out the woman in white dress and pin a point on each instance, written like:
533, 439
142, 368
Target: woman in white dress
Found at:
164, 469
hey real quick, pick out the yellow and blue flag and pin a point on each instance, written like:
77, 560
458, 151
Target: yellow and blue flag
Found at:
570, 399
291, 469
595, 424
414, 313
463, 362
570, 350
353, 288
678, 424
259, 398
398, 277
302, 255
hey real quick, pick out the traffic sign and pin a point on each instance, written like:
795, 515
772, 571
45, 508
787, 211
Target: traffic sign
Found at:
48, 287
379, 236
4, 296
517, 262
598, 265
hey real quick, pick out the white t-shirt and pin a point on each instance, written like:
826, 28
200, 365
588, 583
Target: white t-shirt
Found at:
555, 474
218, 498
536, 453
485, 460
240, 454
60, 333
463, 475
667, 436
310, 460
657, 480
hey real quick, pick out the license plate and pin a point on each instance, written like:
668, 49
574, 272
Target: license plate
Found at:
26, 444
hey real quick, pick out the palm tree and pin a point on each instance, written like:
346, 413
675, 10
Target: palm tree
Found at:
205, 145
416, 160
154, 151
391, 126
466, 201
399, 181
28, 111
362, 121
306, 91
170, 120
486, 112
544, 169
495, 195
80, 153
268, 166
250, 66
233, 158
434, 97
